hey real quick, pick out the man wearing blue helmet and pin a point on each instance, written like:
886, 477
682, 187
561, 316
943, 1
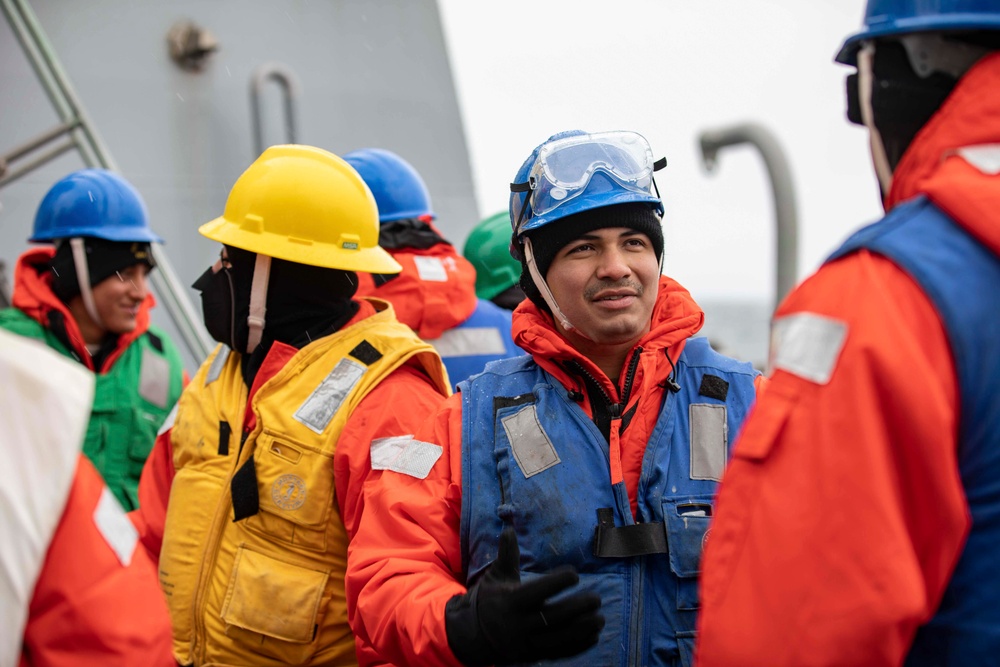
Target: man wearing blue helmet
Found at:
859, 522
566, 514
435, 293
87, 298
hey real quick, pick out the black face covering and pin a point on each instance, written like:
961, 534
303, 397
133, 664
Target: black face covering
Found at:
218, 309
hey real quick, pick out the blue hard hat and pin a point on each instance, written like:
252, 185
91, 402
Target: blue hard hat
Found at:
886, 18
92, 202
575, 171
399, 191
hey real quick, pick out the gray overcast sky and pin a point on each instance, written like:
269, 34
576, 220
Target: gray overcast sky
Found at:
668, 69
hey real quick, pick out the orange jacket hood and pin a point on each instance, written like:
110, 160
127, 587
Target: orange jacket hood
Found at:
34, 297
969, 117
426, 299
676, 317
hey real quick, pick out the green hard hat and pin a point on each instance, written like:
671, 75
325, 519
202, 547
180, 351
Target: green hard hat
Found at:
488, 249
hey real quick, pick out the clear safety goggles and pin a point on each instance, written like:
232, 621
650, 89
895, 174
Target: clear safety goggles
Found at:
565, 166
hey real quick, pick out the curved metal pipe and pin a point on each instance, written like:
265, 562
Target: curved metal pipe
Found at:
782, 189
290, 89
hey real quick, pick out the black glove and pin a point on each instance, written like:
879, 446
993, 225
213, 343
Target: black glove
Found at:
501, 621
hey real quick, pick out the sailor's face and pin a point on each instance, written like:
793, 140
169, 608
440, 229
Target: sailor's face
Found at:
605, 283
118, 297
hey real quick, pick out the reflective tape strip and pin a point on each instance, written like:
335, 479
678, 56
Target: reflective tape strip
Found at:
218, 363
403, 454
114, 526
168, 423
985, 158
431, 269
319, 408
469, 341
808, 345
709, 437
533, 450
154, 378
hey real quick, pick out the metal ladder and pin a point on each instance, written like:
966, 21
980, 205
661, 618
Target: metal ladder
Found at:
78, 132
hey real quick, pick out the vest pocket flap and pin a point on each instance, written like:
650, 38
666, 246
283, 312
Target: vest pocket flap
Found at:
295, 482
687, 520
273, 598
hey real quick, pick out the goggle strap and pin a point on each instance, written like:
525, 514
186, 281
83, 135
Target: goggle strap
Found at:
660, 164
518, 188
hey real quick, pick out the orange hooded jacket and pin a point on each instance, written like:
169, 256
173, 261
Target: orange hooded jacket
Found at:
33, 296
842, 514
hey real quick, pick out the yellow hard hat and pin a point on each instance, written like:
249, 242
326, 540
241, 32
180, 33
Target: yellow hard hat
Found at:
304, 205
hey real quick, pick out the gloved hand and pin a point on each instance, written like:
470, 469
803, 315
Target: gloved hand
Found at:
501, 621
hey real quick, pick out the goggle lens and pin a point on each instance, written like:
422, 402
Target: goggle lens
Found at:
564, 167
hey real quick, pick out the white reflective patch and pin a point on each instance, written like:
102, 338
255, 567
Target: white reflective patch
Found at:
532, 448
154, 378
403, 454
807, 345
985, 158
317, 410
215, 370
469, 341
115, 527
431, 269
709, 436
168, 423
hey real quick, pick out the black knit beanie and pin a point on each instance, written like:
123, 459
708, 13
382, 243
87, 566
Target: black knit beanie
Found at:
547, 241
104, 258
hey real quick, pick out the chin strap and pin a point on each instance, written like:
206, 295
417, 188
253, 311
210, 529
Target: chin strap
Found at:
543, 287
83, 278
883, 171
258, 301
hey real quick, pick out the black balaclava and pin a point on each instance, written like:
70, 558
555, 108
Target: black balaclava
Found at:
304, 303
104, 258
902, 101
548, 240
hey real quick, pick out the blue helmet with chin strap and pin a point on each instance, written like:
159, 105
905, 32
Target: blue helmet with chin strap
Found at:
93, 202
399, 191
888, 18
575, 171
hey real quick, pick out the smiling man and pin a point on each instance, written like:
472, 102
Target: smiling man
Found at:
88, 298
571, 490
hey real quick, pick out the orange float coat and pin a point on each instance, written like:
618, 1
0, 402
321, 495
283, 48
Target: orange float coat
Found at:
406, 561
428, 306
842, 514
76, 589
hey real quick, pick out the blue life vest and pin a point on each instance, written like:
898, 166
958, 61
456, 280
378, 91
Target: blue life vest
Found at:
484, 337
532, 458
961, 277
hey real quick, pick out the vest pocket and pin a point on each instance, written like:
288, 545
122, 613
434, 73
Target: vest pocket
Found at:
295, 488
687, 520
273, 606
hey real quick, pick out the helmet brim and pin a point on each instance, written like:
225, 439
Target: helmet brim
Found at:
302, 251
848, 54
